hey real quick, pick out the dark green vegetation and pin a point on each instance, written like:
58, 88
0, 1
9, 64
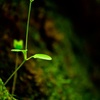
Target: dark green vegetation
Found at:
68, 76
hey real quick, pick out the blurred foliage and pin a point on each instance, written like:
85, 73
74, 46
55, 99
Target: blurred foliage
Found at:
4, 94
66, 77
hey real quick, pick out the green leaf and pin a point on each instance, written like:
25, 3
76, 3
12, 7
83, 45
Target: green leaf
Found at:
18, 50
23, 51
42, 56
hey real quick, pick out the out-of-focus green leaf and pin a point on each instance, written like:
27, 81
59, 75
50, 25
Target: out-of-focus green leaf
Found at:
18, 44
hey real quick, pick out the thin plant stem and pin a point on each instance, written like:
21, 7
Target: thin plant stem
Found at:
26, 42
15, 72
15, 76
27, 28
29, 58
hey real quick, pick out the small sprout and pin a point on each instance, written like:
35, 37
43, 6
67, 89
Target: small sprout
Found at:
18, 44
42, 56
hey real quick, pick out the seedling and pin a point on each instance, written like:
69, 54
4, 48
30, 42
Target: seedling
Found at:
18, 47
